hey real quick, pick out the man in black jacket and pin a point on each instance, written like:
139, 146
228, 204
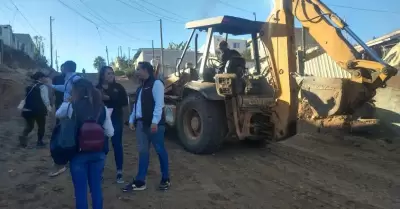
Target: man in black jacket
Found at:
226, 55
148, 119
59, 98
59, 80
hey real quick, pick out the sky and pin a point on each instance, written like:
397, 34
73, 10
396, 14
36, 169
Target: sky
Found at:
83, 28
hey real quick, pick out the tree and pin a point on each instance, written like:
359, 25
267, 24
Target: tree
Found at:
99, 62
119, 73
38, 54
177, 46
122, 63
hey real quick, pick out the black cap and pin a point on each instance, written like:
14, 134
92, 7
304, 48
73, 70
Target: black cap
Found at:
38, 75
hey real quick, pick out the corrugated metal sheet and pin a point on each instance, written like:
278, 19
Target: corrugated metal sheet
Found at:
324, 66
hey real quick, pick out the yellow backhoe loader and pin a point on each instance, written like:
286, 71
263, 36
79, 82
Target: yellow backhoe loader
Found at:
263, 103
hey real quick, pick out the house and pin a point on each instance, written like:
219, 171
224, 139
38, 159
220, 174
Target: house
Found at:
320, 64
236, 44
382, 44
171, 57
25, 43
18, 41
6, 35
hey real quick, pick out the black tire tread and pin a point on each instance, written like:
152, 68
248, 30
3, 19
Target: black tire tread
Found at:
213, 121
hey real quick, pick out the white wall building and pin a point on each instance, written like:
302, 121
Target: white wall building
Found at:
170, 58
19, 41
25, 43
6, 35
236, 44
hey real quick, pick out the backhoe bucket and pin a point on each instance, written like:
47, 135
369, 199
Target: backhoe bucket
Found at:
333, 96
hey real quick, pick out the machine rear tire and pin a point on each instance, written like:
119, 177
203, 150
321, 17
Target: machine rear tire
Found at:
201, 124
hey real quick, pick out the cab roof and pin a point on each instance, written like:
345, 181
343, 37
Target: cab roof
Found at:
227, 24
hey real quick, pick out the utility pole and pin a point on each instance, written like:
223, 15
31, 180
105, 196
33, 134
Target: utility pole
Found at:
57, 61
108, 62
120, 49
51, 41
152, 47
255, 16
162, 50
129, 56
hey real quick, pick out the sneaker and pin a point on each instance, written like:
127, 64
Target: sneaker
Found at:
23, 141
135, 186
58, 171
165, 184
40, 144
119, 178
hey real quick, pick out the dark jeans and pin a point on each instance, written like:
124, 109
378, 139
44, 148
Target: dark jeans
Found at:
86, 169
30, 119
144, 137
116, 141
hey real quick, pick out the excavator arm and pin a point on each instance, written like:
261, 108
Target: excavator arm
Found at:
326, 28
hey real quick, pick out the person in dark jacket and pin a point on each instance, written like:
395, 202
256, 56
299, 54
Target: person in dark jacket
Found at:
115, 98
147, 119
226, 55
37, 105
59, 80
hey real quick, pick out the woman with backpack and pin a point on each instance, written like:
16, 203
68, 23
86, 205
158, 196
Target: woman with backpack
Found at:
92, 125
115, 98
35, 109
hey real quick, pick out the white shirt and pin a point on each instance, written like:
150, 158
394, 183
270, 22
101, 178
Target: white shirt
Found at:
44, 94
107, 125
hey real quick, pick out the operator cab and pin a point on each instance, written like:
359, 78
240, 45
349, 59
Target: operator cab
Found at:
206, 65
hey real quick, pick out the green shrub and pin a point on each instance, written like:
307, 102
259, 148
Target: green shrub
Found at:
119, 73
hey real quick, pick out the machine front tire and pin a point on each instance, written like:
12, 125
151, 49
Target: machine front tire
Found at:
201, 124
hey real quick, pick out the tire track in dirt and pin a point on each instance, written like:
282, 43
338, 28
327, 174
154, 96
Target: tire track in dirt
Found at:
367, 152
303, 192
377, 190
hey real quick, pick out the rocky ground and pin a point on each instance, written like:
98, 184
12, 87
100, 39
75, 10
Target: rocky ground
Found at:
310, 170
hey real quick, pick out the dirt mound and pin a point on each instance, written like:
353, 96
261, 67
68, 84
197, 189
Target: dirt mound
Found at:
12, 83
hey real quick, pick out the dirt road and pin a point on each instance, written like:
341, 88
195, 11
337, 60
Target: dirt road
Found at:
307, 172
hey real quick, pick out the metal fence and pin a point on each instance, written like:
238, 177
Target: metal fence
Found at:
324, 66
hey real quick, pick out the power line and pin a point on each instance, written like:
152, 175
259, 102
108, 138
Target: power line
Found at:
172, 19
26, 19
134, 22
364, 9
235, 7
108, 23
154, 5
78, 13
147, 11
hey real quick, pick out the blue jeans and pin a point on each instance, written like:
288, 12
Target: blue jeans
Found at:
144, 137
116, 141
87, 169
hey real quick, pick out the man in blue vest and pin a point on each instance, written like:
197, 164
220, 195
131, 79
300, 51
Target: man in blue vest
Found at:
147, 119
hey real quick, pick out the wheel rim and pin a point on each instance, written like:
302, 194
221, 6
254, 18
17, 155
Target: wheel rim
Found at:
192, 124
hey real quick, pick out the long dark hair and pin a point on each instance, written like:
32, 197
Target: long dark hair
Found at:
101, 74
87, 100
